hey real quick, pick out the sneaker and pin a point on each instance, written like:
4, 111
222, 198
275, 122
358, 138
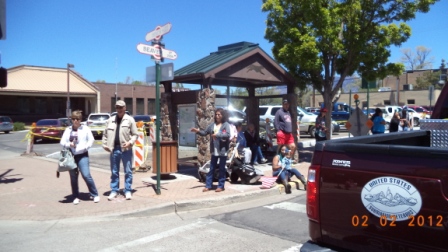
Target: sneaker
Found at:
264, 160
256, 163
96, 199
128, 195
112, 195
76, 201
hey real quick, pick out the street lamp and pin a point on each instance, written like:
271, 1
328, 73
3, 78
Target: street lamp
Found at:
68, 112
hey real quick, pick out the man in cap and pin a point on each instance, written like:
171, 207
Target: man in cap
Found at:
119, 136
283, 124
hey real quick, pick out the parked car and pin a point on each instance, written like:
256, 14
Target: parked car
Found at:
307, 119
236, 116
48, 129
6, 124
420, 109
66, 121
97, 123
146, 119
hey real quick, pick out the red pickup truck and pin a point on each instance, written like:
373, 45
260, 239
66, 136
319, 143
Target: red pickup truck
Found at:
384, 192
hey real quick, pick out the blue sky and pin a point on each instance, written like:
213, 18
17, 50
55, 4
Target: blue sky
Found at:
100, 37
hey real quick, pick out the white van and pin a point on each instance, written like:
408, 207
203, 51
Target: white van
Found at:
384, 89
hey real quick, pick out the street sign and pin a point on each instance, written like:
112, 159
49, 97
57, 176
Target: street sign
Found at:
157, 33
167, 73
155, 51
431, 93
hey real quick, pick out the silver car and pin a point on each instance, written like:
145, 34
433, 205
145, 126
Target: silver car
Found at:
6, 124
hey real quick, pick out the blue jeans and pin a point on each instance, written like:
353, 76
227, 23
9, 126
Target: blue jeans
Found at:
82, 161
222, 171
286, 174
115, 157
257, 155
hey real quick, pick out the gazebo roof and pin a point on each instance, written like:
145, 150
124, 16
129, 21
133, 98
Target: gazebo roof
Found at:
238, 64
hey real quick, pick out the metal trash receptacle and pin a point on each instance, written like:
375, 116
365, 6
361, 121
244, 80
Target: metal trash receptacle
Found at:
168, 157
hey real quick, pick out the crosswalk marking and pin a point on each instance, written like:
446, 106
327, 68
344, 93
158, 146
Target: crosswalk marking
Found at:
151, 238
295, 207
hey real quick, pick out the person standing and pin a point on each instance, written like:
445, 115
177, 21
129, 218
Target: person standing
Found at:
283, 125
268, 130
253, 142
378, 122
394, 122
119, 136
219, 132
321, 131
79, 139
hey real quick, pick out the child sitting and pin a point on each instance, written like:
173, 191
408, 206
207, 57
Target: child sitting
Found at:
286, 160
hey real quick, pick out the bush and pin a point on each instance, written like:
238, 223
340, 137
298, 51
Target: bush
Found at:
19, 126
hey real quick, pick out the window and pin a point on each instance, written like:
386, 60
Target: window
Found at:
411, 101
386, 102
140, 106
151, 106
129, 105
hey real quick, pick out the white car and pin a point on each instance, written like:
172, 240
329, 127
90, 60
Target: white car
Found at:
97, 123
306, 119
6, 124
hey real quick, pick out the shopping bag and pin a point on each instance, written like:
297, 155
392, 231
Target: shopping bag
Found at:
66, 161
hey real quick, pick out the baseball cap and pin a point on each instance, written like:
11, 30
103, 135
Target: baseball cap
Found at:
120, 103
285, 101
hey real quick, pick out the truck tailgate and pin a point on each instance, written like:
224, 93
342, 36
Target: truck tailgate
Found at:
384, 197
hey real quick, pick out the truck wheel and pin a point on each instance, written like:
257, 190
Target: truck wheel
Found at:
312, 130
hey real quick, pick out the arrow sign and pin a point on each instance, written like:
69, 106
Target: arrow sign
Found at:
158, 32
155, 51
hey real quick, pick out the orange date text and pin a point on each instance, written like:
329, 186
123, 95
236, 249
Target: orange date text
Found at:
414, 221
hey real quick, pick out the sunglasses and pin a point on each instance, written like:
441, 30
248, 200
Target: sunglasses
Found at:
118, 107
76, 119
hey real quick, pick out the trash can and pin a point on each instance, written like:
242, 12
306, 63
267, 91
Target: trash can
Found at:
168, 157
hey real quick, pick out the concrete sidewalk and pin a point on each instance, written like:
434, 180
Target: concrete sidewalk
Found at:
29, 190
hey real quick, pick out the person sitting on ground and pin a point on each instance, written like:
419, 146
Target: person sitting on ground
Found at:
285, 172
253, 142
378, 122
242, 144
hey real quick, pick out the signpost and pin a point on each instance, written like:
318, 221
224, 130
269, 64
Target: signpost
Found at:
167, 72
157, 33
159, 53
155, 51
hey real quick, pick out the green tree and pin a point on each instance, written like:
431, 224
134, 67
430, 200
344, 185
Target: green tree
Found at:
316, 40
427, 79
418, 60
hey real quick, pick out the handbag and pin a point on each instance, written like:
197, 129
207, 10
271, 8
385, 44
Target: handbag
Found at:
320, 133
66, 160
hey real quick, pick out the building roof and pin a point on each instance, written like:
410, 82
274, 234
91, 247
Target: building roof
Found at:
47, 80
239, 64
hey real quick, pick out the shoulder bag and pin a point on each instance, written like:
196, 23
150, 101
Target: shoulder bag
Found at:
66, 160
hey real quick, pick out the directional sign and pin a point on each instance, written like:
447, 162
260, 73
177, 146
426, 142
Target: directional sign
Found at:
155, 51
358, 124
158, 32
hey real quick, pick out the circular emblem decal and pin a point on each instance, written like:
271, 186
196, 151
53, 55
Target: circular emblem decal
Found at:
390, 196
